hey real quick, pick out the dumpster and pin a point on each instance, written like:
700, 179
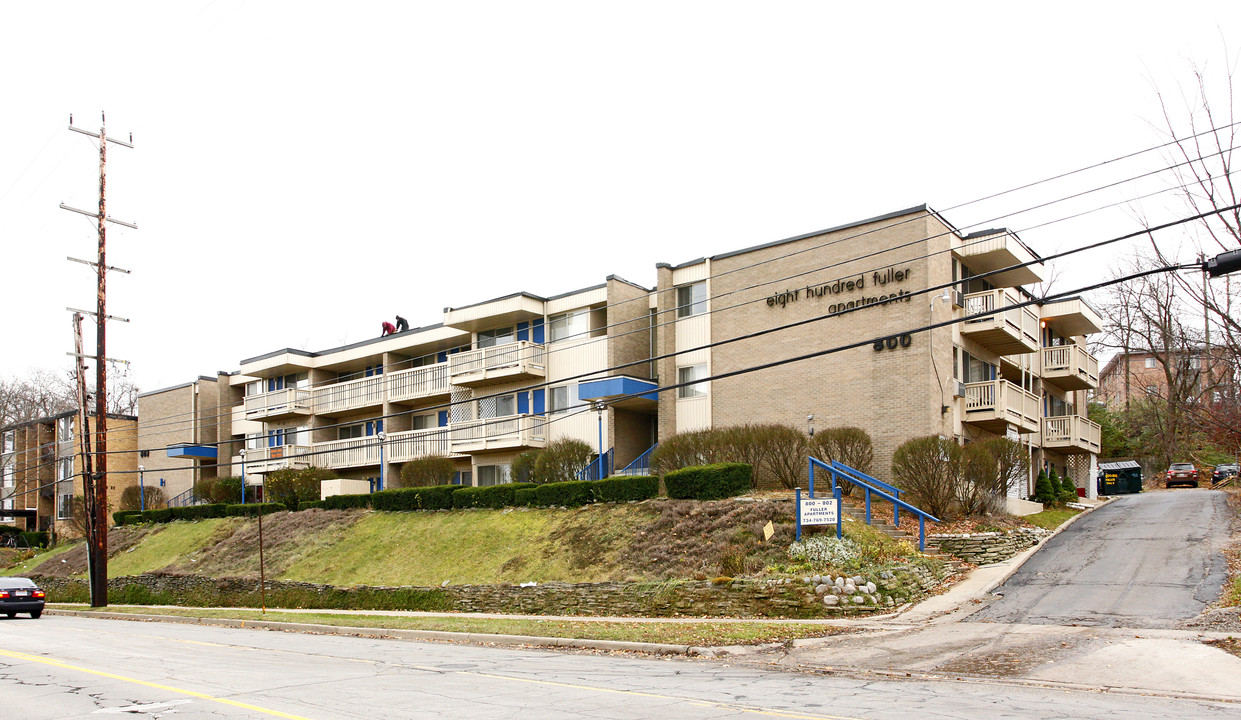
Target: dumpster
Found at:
1119, 478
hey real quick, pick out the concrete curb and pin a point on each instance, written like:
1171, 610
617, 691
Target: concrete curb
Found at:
351, 631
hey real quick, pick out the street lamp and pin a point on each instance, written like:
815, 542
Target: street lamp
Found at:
382, 437
599, 407
142, 501
243, 476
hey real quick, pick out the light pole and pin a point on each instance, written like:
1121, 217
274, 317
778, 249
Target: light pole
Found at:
382, 437
243, 476
599, 408
142, 495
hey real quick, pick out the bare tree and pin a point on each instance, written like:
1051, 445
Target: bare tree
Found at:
42, 393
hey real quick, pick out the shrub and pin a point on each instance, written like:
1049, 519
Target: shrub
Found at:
226, 490
709, 482
255, 509
9, 530
349, 502
1068, 488
522, 467
198, 512
34, 539
776, 453
1044, 491
161, 515
309, 505
290, 487
125, 517
526, 496
976, 474
625, 488
688, 449
493, 496
561, 461
573, 493
1012, 464
824, 551
427, 471
133, 497
436, 497
928, 469
846, 445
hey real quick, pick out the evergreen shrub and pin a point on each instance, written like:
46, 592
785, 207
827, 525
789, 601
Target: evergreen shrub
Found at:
349, 502
255, 509
573, 493
494, 496
709, 482
525, 496
622, 488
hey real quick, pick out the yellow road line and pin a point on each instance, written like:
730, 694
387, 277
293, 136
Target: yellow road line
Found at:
157, 686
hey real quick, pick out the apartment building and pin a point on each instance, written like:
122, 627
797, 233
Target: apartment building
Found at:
1188, 373
491, 380
42, 469
185, 431
512, 373
1021, 373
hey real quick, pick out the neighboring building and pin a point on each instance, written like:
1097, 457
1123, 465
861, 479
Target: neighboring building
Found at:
42, 469
1145, 373
188, 428
509, 374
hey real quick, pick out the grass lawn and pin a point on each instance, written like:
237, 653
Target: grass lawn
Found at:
699, 633
1052, 518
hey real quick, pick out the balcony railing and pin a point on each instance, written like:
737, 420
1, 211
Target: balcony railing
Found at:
1072, 434
419, 382
350, 395
280, 403
515, 431
1007, 332
500, 363
995, 404
1070, 367
266, 459
347, 453
402, 446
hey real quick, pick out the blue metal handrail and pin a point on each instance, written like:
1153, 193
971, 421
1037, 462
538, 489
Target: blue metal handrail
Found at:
185, 499
847, 473
641, 462
598, 468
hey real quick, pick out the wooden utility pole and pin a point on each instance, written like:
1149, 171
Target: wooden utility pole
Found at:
96, 485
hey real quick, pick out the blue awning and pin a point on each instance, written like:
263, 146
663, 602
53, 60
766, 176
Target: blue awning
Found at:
619, 386
193, 452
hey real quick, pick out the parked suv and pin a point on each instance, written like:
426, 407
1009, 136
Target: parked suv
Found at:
1221, 472
1181, 474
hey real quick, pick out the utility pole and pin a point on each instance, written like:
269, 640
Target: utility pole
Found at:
83, 435
96, 490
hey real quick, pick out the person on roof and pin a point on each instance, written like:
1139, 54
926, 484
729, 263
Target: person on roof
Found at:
388, 329
401, 324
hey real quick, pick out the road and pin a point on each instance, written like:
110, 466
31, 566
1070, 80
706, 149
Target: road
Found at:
70, 667
1142, 561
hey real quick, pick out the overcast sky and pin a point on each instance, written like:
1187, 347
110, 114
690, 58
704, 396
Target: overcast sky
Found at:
304, 171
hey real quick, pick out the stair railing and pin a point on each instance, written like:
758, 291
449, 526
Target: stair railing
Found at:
841, 472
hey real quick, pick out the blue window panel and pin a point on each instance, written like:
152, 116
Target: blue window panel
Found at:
540, 404
523, 331
536, 332
443, 418
441, 357
523, 403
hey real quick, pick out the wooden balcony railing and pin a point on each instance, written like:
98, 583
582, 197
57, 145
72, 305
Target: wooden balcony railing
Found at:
1070, 367
419, 382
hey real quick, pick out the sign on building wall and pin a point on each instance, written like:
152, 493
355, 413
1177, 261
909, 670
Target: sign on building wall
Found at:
819, 511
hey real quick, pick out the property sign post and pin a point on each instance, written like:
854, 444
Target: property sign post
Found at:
818, 511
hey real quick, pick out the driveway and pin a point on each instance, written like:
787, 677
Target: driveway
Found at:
1142, 561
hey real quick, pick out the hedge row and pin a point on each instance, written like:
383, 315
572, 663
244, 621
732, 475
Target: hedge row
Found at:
195, 512
709, 482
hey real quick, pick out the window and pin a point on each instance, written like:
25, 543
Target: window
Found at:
1152, 390
64, 429
689, 374
976, 370
498, 336
64, 506
424, 422
495, 407
493, 475
349, 432
254, 441
573, 325
563, 398
973, 284
691, 299
1195, 363
1150, 362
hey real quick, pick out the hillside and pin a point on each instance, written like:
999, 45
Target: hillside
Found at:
647, 541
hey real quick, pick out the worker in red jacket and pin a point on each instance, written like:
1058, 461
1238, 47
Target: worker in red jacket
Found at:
388, 327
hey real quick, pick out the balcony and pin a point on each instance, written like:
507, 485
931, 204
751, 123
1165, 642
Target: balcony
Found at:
347, 396
1072, 317
402, 446
1071, 434
267, 459
996, 404
994, 250
1011, 331
507, 433
356, 452
279, 404
522, 360
1070, 367
418, 383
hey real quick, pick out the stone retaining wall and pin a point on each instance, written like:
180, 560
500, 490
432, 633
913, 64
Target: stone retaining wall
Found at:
989, 547
724, 597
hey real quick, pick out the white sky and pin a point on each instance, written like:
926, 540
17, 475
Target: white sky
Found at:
306, 170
